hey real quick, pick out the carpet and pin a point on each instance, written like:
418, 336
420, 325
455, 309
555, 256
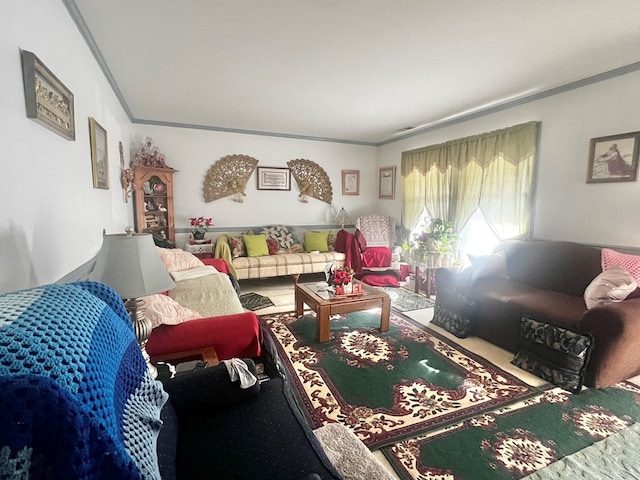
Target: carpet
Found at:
254, 301
519, 439
386, 386
404, 300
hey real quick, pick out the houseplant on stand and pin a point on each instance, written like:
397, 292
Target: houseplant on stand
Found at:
200, 226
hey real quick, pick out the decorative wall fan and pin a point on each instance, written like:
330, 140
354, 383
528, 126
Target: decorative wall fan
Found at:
312, 180
229, 176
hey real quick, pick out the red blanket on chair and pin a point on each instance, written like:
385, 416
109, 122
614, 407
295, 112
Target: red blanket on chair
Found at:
346, 243
375, 257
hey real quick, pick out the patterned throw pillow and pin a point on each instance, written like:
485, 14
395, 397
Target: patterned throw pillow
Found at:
237, 246
459, 323
631, 263
555, 354
286, 236
331, 241
272, 245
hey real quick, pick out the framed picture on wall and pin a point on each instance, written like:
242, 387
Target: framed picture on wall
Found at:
387, 182
614, 158
99, 155
47, 99
270, 178
350, 182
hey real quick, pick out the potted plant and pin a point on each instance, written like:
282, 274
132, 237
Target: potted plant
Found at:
200, 226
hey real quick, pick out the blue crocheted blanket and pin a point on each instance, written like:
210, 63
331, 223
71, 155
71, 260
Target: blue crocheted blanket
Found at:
76, 398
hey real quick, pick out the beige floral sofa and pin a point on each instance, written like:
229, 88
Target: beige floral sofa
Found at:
278, 250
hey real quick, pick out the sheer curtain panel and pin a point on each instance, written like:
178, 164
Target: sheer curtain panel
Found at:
492, 171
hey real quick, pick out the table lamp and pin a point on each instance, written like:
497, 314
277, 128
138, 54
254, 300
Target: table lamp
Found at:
342, 217
129, 263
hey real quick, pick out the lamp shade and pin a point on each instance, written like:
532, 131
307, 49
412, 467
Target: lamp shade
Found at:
130, 264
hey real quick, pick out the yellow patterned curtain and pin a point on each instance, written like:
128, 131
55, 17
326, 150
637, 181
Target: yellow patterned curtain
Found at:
492, 171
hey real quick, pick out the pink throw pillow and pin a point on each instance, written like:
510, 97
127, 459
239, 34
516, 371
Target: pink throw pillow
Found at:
161, 309
176, 260
631, 263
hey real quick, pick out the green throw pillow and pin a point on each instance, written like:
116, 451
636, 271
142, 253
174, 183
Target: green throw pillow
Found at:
316, 241
256, 245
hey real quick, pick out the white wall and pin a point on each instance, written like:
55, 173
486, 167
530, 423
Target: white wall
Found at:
51, 218
193, 152
566, 208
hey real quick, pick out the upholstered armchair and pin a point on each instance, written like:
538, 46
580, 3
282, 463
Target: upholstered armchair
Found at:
376, 236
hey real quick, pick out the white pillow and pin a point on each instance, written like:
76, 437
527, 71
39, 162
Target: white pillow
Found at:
612, 285
162, 309
494, 265
193, 273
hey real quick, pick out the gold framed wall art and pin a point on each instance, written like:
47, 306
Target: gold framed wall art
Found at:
47, 100
99, 155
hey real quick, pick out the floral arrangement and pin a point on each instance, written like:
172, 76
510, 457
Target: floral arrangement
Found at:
200, 225
149, 155
439, 236
342, 276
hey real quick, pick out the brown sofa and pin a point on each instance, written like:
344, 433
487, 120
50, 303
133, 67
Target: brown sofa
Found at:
546, 280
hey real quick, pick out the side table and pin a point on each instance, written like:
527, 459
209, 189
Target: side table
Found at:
431, 262
200, 250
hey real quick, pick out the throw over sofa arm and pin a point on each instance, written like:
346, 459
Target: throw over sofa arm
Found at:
223, 251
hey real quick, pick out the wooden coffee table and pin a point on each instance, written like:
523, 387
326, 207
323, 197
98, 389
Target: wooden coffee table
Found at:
326, 304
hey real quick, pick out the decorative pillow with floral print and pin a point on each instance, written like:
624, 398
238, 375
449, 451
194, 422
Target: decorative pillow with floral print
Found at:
237, 246
287, 237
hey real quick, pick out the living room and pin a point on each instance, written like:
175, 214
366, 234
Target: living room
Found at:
55, 225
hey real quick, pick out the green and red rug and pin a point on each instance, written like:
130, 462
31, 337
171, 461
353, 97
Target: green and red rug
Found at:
519, 439
387, 386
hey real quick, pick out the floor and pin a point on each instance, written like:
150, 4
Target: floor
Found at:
280, 291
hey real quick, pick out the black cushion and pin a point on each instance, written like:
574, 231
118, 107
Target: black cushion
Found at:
193, 392
556, 354
262, 438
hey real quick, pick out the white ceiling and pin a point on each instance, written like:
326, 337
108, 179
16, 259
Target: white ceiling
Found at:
350, 70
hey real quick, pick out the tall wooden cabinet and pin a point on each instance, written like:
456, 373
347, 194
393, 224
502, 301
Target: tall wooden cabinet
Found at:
153, 201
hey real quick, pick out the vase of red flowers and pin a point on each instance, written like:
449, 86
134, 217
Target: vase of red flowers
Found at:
341, 278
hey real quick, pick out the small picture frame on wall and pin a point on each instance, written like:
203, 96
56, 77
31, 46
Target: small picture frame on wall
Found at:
273, 178
47, 100
350, 182
614, 158
99, 155
387, 182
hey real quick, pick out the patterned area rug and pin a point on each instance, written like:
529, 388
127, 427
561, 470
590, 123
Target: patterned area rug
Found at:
254, 301
404, 300
386, 386
514, 441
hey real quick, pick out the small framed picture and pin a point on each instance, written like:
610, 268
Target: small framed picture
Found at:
614, 158
387, 182
350, 182
99, 155
274, 178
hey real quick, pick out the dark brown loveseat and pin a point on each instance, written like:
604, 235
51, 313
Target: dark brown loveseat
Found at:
546, 280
